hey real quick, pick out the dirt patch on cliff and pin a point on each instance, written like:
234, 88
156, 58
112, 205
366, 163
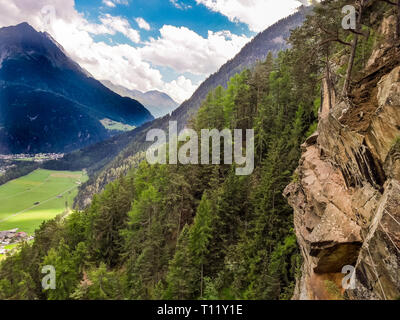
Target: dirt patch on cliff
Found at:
327, 286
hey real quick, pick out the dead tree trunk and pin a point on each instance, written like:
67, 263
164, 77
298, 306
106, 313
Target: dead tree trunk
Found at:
353, 51
328, 80
398, 20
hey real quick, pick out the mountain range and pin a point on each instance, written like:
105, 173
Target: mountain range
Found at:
48, 103
158, 103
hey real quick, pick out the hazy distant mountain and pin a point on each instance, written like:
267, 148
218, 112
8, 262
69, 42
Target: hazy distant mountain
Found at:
48, 103
158, 103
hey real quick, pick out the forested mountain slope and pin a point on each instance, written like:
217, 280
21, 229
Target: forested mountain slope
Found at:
273, 39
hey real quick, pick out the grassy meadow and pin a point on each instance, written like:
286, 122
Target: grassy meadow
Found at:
41, 195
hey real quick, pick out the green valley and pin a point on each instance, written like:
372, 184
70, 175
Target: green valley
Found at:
41, 195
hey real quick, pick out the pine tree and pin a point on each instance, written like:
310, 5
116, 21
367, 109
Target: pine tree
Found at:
199, 236
182, 275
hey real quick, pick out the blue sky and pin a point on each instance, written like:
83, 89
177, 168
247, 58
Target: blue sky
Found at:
165, 45
160, 12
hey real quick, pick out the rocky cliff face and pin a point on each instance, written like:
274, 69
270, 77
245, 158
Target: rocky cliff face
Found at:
347, 196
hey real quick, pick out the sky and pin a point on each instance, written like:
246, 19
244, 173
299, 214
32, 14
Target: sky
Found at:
166, 45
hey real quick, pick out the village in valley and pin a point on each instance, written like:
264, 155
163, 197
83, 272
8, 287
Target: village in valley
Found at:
37, 157
9, 161
11, 237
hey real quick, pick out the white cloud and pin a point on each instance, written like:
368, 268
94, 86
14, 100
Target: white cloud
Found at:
178, 89
109, 3
135, 68
118, 24
257, 14
113, 3
186, 51
143, 24
180, 5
